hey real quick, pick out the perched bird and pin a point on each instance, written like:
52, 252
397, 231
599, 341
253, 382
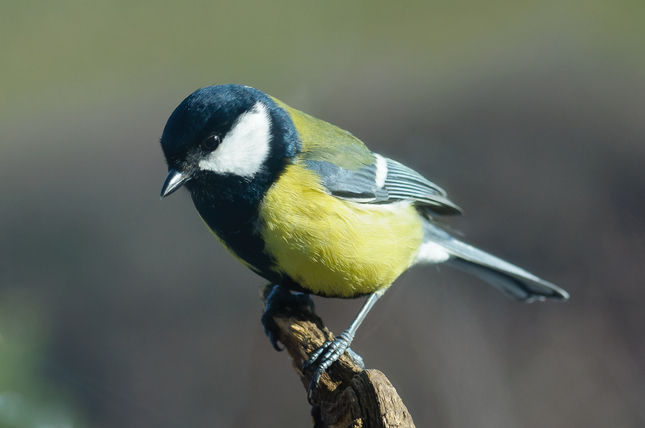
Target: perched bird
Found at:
307, 206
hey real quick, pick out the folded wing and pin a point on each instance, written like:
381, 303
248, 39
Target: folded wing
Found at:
381, 182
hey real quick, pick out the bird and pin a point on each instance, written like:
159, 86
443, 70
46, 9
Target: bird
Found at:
308, 207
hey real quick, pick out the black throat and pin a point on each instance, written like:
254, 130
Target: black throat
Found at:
230, 207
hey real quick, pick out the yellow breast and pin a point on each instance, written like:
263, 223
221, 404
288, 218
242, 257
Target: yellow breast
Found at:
333, 247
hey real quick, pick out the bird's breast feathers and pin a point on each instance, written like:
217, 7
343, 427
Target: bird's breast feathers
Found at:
334, 247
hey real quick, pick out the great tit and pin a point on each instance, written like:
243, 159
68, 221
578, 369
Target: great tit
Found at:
307, 206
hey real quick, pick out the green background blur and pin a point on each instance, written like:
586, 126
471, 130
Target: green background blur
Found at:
118, 310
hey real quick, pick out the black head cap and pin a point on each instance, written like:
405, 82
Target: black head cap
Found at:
214, 110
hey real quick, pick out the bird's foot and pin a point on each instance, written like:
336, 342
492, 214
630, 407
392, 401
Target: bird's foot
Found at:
279, 300
323, 357
356, 359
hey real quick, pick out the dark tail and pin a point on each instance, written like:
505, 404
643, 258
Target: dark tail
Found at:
510, 279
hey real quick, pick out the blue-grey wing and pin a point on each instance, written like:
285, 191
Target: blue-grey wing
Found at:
381, 182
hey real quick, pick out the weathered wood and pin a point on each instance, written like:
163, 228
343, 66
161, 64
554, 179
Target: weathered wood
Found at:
347, 395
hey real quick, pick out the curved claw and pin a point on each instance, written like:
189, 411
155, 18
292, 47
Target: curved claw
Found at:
271, 329
356, 359
272, 306
323, 357
314, 356
279, 300
273, 338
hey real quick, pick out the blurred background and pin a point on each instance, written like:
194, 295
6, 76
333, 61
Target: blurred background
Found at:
119, 310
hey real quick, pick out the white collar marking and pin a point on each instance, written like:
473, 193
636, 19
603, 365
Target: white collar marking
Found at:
245, 148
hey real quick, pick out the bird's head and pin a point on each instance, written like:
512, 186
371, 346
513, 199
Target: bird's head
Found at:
226, 133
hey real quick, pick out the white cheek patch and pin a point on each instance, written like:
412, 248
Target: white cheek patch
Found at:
245, 148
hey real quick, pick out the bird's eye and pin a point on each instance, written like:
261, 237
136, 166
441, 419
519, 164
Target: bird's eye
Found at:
211, 143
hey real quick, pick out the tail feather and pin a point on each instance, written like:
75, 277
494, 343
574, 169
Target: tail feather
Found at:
508, 278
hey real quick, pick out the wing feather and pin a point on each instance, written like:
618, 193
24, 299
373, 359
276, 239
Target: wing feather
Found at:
400, 184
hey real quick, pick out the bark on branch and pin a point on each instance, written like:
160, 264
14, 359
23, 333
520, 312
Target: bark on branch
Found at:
347, 396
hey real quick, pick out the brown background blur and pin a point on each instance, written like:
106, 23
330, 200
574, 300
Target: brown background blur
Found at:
118, 310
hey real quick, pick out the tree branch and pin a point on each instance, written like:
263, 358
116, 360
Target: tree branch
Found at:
347, 395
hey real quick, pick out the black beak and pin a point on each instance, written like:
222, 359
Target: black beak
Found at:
174, 181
